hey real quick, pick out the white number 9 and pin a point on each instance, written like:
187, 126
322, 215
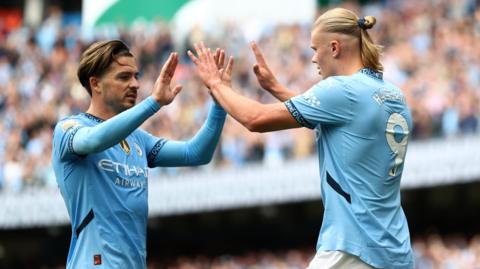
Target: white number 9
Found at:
398, 147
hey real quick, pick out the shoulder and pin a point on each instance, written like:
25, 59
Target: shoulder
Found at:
393, 87
333, 82
69, 122
326, 87
331, 87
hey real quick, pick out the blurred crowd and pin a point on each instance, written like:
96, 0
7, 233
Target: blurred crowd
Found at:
264, 259
431, 252
448, 252
431, 52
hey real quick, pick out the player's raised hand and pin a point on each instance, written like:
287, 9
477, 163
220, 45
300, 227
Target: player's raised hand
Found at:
219, 58
264, 75
226, 72
163, 92
207, 68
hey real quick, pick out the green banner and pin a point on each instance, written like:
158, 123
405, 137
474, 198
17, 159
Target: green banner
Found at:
127, 11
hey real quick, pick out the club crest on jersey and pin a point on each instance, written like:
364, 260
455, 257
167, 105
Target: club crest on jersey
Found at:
124, 145
138, 149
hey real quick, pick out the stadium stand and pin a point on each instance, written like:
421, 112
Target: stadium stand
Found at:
439, 74
252, 185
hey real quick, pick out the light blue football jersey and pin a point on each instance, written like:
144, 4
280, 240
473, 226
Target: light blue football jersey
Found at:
105, 191
106, 196
362, 124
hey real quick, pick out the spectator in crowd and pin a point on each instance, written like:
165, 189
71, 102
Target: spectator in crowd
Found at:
431, 252
433, 58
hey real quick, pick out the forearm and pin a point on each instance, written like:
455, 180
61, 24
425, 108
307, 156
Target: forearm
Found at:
282, 93
242, 109
198, 150
203, 144
110, 132
255, 116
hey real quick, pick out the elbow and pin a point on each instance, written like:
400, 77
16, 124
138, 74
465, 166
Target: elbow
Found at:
89, 146
201, 158
205, 161
97, 145
257, 120
255, 125
252, 127
93, 146
202, 161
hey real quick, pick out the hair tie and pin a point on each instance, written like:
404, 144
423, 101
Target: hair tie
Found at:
361, 23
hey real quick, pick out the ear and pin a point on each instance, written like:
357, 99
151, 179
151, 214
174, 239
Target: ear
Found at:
335, 48
94, 84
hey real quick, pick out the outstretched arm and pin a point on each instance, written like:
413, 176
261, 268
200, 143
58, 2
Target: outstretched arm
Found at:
266, 79
88, 140
198, 150
253, 115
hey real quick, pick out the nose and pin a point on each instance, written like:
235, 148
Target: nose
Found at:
313, 59
135, 83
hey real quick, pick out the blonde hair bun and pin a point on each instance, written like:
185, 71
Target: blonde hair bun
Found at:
368, 22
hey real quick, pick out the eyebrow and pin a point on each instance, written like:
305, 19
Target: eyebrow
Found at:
136, 74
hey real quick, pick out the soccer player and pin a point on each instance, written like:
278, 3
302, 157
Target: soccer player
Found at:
101, 157
361, 124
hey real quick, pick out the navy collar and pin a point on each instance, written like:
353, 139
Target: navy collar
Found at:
372, 73
94, 118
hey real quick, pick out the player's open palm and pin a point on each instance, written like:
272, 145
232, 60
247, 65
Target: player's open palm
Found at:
225, 72
163, 92
264, 75
207, 68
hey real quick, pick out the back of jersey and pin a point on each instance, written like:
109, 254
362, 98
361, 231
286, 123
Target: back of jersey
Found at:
362, 125
382, 122
367, 166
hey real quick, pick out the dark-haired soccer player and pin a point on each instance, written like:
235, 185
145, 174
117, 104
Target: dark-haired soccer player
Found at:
101, 158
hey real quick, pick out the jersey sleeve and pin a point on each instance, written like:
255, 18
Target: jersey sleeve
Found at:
112, 131
72, 138
63, 135
152, 145
329, 103
196, 151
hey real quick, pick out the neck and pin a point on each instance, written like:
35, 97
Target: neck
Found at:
348, 67
102, 111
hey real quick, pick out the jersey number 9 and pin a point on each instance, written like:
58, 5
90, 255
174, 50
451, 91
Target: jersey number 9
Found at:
397, 138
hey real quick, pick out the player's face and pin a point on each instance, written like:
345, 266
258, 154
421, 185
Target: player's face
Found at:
322, 57
119, 85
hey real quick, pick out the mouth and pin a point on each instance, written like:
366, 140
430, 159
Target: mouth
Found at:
131, 95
